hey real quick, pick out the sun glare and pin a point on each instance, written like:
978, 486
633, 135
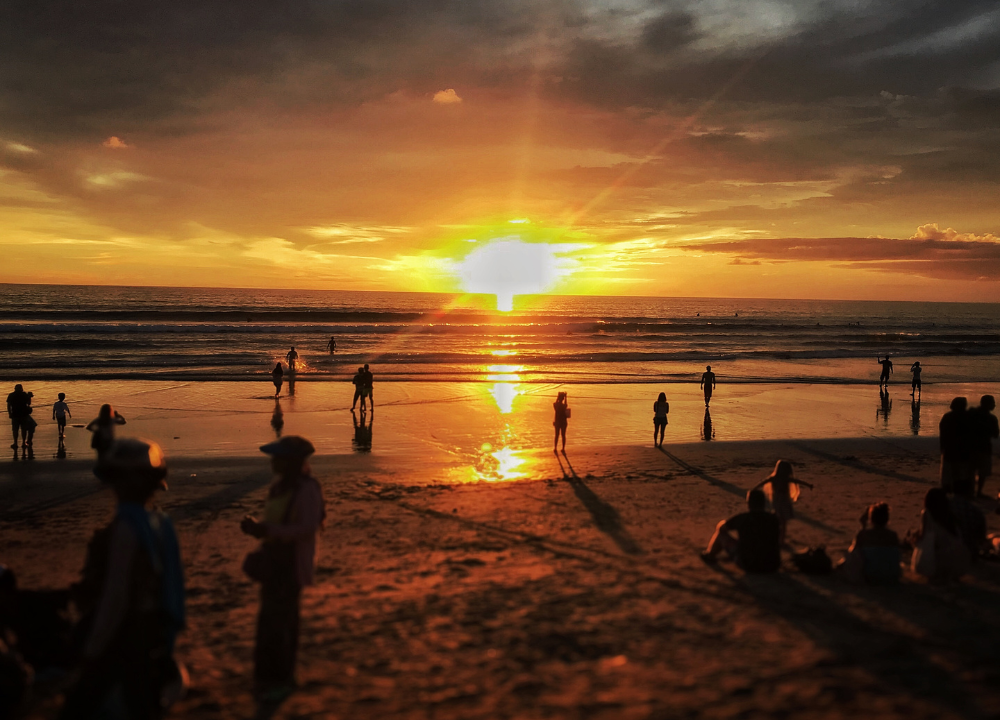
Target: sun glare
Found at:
507, 267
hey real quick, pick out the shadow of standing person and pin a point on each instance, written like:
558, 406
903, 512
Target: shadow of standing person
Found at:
605, 516
915, 416
362, 440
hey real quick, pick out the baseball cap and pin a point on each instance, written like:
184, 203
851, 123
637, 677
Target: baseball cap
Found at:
289, 446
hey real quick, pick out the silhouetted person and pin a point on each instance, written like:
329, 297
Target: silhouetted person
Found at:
278, 378
284, 563
757, 547
359, 384
60, 411
660, 409
874, 556
782, 490
368, 389
362, 441
708, 383
132, 590
885, 405
277, 418
984, 428
969, 519
707, 433
561, 420
954, 439
915, 384
332, 345
103, 429
886, 364
938, 551
915, 415
18, 409
290, 357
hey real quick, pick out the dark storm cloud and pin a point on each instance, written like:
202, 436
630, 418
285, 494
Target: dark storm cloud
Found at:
934, 258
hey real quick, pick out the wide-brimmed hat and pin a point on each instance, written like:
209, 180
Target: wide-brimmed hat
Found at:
290, 446
132, 459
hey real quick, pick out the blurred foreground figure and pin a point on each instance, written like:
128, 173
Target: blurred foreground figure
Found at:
131, 596
284, 563
874, 556
758, 547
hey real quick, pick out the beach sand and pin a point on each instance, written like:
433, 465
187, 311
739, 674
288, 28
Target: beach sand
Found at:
575, 592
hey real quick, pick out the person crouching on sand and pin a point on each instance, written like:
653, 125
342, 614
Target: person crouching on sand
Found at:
284, 563
782, 489
561, 420
660, 409
103, 429
757, 549
131, 594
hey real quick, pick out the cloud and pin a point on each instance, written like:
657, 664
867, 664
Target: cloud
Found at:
931, 231
447, 97
115, 143
20, 148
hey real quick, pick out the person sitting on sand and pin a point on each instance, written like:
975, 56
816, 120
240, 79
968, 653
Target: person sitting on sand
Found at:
938, 551
278, 378
660, 409
290, 358
60, 411
132, 591
953, 432
103, 429
757, 549
983, 430
284, 564
782, 490
874, 555
561, 420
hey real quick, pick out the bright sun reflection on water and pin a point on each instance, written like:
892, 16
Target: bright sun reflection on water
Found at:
504, 393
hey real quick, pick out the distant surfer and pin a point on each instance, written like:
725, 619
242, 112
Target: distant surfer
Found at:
708, 383
916, 370
886, 370
332, 345
290, 358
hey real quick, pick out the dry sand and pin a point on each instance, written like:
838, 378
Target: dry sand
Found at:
577, 593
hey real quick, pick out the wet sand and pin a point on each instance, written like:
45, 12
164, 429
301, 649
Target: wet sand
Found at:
576, 592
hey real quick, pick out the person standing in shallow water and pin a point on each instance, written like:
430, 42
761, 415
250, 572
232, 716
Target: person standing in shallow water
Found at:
561, 420
103, 429
886, 364
290, 358
284, 563
708, 383
332, 345
278, 378
915, 384
660, 409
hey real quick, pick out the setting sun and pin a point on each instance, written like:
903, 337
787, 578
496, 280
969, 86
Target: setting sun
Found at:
507, 267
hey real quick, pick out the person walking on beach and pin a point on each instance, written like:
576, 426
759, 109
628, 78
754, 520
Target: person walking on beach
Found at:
708, 383
886, 370
19, 412
782, 490
284, 563
368, 389
660, 409
131, 594
757, 547
561, 420
60, 411
915, 384
953, 432
103, 429
984, 429
278, 378
290, 358
359, 383
332, 345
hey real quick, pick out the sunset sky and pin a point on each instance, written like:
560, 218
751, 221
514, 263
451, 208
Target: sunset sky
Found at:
762, 148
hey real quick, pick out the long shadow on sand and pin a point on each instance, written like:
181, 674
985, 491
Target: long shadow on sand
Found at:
856, 464
220, 499
605, 517
896, 659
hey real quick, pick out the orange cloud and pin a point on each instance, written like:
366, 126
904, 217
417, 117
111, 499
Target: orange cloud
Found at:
447, 97
115, 143
931, 231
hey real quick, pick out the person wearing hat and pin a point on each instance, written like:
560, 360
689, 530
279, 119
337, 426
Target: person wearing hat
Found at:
131, 593
284, 563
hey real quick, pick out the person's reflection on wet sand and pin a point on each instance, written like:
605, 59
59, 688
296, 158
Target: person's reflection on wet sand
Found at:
885, 406
291, 385
707, 432
61, 450
362, 440
277, 418
915, 416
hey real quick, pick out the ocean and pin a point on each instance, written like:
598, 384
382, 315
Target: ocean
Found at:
84, 333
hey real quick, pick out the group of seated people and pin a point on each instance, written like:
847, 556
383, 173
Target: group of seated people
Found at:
952, 534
